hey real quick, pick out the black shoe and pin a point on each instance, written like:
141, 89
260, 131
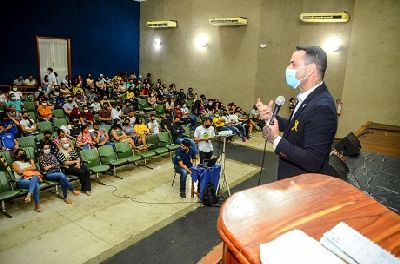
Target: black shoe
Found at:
183, 194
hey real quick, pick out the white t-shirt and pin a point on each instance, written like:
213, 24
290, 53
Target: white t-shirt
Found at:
155, 126
202, 132
52, 80
115, 114
17, 94
233, 118
25, 123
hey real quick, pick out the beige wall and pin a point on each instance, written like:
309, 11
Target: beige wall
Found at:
371, 86
234, 68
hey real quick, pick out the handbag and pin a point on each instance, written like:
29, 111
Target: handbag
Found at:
30, 173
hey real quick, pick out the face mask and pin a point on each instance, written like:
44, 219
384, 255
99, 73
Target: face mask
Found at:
291, 79
22, 156
85, 111
15, 89
46, 151
40, 89
25, 117
44, 104
13, 98
56, 93
66, 145
207, 126
70, 101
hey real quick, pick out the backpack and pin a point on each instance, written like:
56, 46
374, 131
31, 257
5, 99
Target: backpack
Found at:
210, 198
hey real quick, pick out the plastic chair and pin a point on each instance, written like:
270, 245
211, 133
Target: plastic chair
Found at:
160, 110
45, 126
108, 157
27, 142
29, 106
124, 151
58, 122
58, 113
6, 192
92, 159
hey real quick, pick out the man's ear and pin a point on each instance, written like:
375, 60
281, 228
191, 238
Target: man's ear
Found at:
311, 69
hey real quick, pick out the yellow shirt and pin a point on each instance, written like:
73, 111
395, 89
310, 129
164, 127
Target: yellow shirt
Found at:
219, 122
141, 129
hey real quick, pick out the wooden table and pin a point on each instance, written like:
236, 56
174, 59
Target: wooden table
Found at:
313, 203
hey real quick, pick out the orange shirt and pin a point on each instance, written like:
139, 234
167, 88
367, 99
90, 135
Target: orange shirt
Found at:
45, 111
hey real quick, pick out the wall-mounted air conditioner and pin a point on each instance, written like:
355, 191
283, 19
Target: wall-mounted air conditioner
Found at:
228, 21
325, 17
162, 24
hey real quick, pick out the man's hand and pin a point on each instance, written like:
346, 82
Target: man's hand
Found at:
265, 110
270, 132
48, 167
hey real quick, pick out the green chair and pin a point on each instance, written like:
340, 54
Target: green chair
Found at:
58, 113
106, 127
7, 156
160, 110
149, 153
45, 126
92, 159
124, 151
6, 192
154, 145
166, 141
189, 103
58, 122
188, 133
39, 137
108, 157
29, 106
30, 152
144, 106
27, 142
33, 115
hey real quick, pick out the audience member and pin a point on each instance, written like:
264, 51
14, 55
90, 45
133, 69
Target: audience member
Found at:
45, 111
84, 140
30, 81
203, 136
183, 161
7, 140
153, 125
27, 125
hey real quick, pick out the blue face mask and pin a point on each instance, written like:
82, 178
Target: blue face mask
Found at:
291, 78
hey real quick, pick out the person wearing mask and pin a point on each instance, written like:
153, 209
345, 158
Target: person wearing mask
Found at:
67, 81
166, 122
100, 135
308, 133
89, 81
84, 140
153, 126
69, 105
75, 128
45, 111
71, 162
52, 80
45, 83
118, 135
170, 105
27, 177
95, 106
11, 121
183, 160
7, 140
116, 113
30, 81
62, 132
190, 94
48, 140
27, 125
17, 103
105, 115
52, 171
177, 132
203, 136
152, 100
233, 120
86, 117
19, 80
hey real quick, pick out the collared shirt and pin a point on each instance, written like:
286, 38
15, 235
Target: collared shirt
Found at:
185, 157
300, 99
49, 160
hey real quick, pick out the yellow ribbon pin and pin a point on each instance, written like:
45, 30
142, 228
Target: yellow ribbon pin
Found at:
296, 124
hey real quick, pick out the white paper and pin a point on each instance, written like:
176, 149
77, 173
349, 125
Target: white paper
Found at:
296, 247
353, 247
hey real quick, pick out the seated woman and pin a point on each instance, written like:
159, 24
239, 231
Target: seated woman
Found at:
118, 135
100, 135
84, 140
27, 125
62, 132
27, 177
130, 132
51, 168
86, 117
152, 100
105, 114
71, 162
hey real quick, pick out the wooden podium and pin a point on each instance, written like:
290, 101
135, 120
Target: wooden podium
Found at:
313, 203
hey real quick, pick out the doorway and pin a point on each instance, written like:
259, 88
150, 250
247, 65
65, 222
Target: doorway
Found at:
54, 53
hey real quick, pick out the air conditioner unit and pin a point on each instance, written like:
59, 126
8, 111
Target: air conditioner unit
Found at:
228, 21
162, 24
325, 17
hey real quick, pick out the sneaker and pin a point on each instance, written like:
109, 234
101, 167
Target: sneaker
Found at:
183, 194
258, 128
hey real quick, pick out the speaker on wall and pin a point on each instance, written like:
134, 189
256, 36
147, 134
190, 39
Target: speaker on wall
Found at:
349, 146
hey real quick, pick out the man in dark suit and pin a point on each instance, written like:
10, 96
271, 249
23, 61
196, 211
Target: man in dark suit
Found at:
309, 131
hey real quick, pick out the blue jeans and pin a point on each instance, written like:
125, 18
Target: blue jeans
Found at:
59, 176
32, 185
193, 121
192, 144
183, 175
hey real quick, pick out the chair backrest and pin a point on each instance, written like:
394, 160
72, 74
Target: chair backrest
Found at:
7, 156
106, 127
107, 154
28, 141
160, 109
90, 157
33, 115
39, 137
45, 126
30, 106
58, 122
58, 113
123, 149
187, 133
152, 141
4, 182
30, 153
189, 103
164, 139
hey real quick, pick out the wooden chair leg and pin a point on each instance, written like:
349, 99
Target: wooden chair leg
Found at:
192, 190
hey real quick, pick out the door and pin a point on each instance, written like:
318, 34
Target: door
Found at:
54, 53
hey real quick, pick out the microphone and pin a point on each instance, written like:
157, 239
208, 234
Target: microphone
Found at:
280, 100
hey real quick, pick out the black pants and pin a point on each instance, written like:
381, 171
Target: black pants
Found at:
84, 177
205, 155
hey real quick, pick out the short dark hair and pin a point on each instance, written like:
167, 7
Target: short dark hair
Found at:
186, 142
207, 119
50, 69
314, 54
47, 132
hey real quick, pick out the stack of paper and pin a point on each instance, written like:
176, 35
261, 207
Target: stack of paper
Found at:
354, 248
296, 247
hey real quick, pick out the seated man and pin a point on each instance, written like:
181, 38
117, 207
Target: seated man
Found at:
7, 140
69, 105
27, 125
30, 81
183, 161
14, 102
45, 111
177, 132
